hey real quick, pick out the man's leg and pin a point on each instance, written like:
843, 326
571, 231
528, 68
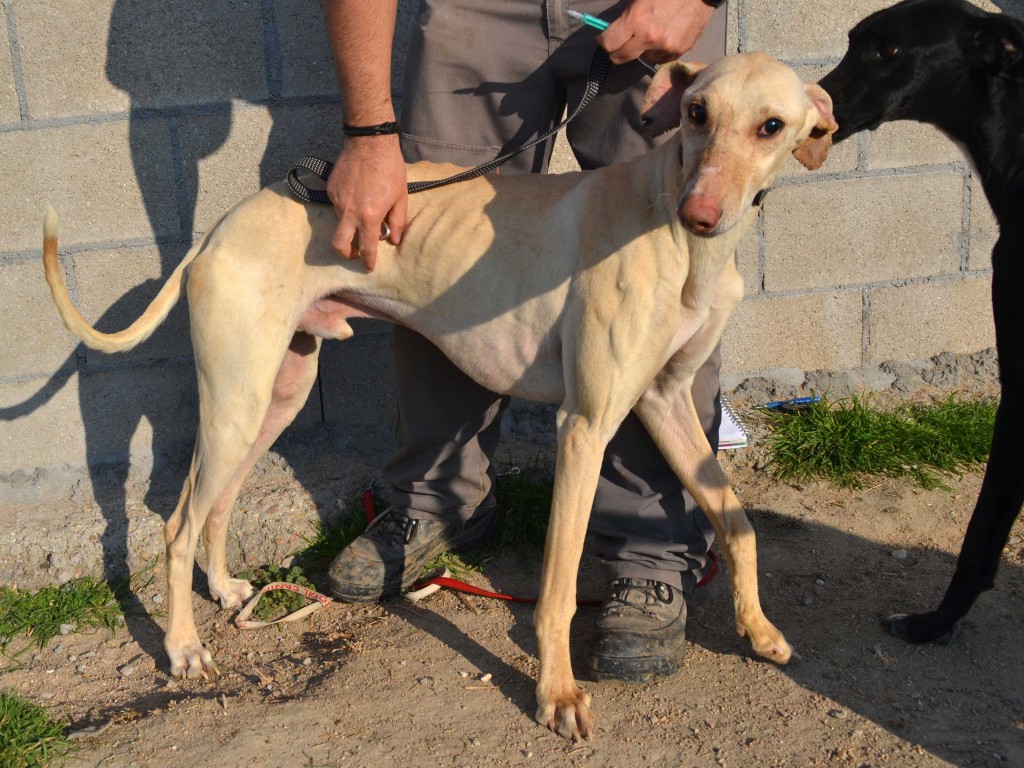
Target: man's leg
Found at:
475, 81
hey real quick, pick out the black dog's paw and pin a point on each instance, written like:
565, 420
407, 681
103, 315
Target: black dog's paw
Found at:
920, 628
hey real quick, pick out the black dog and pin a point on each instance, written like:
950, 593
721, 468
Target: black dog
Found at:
947, 63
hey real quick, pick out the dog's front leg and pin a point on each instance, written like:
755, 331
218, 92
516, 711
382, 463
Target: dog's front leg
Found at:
667, 412
562, 705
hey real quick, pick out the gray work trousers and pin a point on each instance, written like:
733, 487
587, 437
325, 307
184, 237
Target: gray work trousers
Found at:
483, 77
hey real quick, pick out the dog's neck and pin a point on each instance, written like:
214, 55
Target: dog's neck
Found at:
988, 131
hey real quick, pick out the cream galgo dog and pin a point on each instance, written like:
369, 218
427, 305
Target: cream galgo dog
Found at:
602, 290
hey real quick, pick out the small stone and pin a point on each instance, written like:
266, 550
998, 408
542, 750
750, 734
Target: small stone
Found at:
899, 554
485, 678
67, 629
475, 741
127, 670
819, 583
839, 714
876, 649
72, 657
463, 674
808, 600
158, 598
307, 662
89, 732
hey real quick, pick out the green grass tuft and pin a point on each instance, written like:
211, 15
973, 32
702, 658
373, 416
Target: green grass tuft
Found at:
847, 441
327, 541
524, 506
279, 602
29, 737
85, 603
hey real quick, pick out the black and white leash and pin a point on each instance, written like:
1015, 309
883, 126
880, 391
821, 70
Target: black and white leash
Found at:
322, 169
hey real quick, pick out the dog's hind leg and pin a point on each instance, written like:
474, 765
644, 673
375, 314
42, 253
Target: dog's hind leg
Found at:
1002, 493
1002, 490
291, 389
236, 382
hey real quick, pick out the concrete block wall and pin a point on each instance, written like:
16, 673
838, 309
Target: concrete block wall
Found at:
142, 122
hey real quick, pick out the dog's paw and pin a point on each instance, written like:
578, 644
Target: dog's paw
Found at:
920, 628
231, 593
567, 715
192, 660
769, 643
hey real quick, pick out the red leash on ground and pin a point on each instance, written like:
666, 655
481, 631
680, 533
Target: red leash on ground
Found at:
441, 578
423, 587
426, 586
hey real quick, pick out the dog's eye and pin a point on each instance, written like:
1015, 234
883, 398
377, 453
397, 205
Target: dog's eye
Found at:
771, 127
888, 51
698, 114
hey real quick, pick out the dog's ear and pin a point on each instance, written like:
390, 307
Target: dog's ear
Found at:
995, 42
814, 150
660, 111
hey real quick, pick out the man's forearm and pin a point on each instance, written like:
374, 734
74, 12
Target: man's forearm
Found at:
360, 34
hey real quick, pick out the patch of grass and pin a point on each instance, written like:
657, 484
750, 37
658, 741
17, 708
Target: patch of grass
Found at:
524, 506
278, 602
29, 736
845, 442
38, 616
327, 541
523, 499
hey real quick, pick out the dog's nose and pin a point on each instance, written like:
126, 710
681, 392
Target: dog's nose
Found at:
699, 214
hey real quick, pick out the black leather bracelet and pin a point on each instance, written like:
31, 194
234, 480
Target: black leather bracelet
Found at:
381, 129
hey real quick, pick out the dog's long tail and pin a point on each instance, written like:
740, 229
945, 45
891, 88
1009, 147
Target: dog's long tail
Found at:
134, 334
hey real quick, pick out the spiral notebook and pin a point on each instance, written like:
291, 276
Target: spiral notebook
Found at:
731, 432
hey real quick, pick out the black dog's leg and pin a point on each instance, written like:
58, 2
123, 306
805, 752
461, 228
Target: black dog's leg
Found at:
1002, 491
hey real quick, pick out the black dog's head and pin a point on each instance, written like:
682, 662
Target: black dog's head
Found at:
923, 60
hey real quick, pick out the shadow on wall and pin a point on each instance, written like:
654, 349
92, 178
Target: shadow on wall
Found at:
186, 66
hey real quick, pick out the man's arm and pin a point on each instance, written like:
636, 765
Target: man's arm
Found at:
368, 183
656, 30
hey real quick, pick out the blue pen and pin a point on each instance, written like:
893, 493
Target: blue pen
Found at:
601, 24
795, 401
590, 21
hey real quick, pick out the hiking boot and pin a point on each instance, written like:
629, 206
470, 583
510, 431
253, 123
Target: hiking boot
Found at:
389, 556
640, 634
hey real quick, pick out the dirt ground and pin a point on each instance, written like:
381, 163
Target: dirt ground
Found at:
400, 684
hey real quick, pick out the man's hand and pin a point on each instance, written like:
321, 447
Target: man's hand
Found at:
655, 30
368, 190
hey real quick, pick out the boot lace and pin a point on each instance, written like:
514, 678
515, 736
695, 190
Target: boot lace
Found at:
638, 595
392, 524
